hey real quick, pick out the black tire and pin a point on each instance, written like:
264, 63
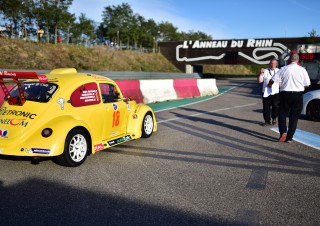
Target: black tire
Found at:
313, 110
75, 149
147, 125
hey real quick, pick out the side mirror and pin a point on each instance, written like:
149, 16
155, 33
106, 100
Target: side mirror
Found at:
129, 99
125, 99
119, 99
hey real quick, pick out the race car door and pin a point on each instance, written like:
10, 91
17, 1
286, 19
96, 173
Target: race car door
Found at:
115, 112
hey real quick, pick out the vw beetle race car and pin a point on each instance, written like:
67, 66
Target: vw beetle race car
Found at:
67, 115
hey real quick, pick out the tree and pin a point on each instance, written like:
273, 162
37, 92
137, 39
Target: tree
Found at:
313, 36
12, 10
118, 22
313, 33
51, 14
149, 32
59, 14
67, 25
85, 29
168, 32
191, 35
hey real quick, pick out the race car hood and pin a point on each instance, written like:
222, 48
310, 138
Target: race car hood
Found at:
17, 121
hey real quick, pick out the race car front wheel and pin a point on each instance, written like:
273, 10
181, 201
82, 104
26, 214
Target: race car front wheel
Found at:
147, 125
75, 149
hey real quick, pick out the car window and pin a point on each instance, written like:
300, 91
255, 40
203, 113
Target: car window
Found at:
35, 91
86, 94
109, 93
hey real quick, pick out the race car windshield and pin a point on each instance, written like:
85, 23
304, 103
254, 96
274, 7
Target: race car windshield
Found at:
35, 91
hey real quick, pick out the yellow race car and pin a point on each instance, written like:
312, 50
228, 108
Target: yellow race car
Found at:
68, 115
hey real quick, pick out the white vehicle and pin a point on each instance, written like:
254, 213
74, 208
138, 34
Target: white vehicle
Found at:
311, 105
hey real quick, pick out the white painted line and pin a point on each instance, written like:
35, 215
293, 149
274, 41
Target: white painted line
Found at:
200, 100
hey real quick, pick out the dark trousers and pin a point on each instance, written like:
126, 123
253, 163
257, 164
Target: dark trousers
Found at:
270, 107
290, 106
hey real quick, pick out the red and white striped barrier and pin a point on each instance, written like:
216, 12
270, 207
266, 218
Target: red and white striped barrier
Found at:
151, 91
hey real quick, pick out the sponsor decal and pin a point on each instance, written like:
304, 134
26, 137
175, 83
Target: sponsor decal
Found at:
26, 115
115, 106
1, 150
14, 122
8, 73
98, 147
249, 43
61, 102
128, 105
38, 151
119, 140
267, 46
4, 133
112, 142
84, 95
114, 133
89, 95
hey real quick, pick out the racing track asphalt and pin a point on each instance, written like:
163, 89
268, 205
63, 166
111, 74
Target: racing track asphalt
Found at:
210, 163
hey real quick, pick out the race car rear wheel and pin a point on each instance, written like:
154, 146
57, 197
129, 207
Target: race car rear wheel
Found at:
147, 125
75, 149
313, 110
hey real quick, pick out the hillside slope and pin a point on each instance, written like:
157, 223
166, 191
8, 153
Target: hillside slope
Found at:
19, 54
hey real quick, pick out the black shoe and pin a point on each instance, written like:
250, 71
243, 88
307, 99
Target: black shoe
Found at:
274, 121
288, 141
267, 124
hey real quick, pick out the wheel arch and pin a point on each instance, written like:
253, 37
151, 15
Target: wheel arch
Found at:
310, 103
85, 130
134, 124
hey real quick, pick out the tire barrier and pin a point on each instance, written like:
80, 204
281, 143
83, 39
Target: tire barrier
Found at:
151, 91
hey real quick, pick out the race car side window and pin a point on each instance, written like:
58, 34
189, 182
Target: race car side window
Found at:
109, 93
86, 94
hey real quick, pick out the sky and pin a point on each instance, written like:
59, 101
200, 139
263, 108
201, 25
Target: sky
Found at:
222, 19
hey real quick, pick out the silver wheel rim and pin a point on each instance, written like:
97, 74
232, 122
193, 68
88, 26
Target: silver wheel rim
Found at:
78, 148
148, 124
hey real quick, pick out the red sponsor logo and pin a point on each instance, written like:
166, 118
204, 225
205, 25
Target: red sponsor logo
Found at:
98, 147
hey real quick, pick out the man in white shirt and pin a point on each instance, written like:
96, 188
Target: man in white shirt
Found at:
294, 79
270, 95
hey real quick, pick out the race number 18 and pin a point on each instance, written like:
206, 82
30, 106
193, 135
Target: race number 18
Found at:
116, 118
